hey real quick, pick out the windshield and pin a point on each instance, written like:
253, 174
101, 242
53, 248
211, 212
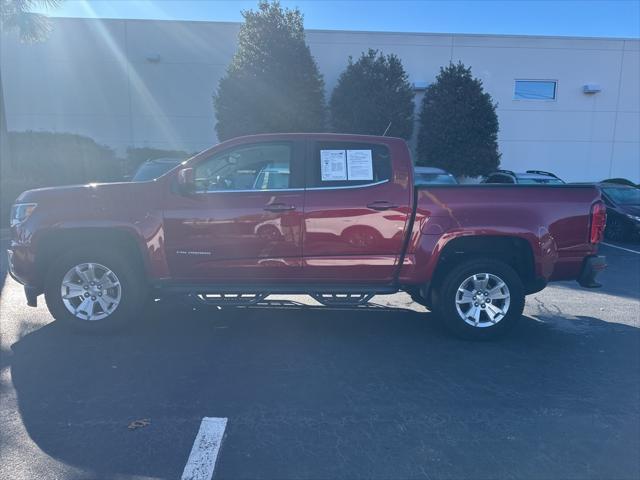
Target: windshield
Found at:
431, 178
152, 170
542, 181
623, 196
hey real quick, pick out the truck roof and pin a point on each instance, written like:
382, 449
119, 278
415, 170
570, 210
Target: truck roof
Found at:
341, 137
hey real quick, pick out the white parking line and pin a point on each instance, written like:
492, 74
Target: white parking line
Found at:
202, 459
621, 248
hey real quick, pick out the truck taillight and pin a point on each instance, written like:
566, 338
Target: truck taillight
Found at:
598, 222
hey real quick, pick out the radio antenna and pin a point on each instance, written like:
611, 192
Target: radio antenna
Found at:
387, 129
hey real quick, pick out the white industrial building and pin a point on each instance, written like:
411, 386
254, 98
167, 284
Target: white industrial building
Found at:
150, 83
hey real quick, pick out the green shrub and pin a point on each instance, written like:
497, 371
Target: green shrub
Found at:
458, 125
48, 158
373, 92
273, 83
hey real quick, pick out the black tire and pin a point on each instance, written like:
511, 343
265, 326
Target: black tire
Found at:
133, 285
415, 295
447, 293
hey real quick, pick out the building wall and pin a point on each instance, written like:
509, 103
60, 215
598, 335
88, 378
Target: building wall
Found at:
150, 83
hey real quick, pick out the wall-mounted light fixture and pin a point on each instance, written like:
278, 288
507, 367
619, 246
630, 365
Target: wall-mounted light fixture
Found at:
591, 88
153, 58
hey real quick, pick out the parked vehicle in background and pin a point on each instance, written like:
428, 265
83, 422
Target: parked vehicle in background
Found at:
621, 181
432, 176
154, 168
623, 211
334, 216
530, 177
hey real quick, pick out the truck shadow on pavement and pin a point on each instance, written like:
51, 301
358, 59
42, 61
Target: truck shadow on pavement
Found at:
335, 393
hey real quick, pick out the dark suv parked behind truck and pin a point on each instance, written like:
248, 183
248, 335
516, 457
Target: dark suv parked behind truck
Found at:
530, 177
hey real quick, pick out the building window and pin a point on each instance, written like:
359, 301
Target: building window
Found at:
535, 90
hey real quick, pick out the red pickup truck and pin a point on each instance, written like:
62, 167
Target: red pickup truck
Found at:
334, 216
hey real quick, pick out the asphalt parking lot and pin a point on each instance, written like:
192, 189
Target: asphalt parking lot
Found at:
314, 392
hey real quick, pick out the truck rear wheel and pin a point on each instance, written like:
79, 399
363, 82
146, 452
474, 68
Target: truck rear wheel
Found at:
480, 299
94, 290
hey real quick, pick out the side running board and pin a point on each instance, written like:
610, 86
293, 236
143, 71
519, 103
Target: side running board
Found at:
228, 299
341, 299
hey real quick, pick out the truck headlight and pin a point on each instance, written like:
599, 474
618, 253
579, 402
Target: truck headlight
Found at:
634, 218
20, 212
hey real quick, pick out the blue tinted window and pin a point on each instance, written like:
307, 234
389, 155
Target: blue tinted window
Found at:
431, 178
535, 90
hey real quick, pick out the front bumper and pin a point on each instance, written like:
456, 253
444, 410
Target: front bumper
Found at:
30, 291
591, 267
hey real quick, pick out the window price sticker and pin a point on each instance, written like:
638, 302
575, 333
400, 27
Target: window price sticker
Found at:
333, 165
359, 165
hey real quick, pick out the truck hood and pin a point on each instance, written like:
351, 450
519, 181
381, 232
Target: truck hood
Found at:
93, 204
74, 193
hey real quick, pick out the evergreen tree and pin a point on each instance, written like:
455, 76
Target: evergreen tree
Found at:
458, 128
273, 83
371, 93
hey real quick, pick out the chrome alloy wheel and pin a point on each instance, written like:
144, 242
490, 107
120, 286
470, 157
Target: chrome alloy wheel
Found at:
482, 300
91, 291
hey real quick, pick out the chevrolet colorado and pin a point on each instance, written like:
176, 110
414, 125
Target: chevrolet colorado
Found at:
334, 216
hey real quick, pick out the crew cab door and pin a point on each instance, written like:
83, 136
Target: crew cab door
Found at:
357, 207
244, 220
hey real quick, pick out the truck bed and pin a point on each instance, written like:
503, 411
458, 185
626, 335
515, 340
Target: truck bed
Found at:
554, 220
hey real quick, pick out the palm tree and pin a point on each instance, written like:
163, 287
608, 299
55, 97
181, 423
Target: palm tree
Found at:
32, 27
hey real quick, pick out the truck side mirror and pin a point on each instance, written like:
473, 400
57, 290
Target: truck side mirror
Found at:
186, 181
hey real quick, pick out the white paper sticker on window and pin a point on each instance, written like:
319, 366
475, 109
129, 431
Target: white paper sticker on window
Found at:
333, 165
359, 165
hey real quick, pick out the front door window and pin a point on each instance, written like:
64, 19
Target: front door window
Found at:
254, 167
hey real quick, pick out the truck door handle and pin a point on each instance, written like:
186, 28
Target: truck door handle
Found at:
279, 207
381, 206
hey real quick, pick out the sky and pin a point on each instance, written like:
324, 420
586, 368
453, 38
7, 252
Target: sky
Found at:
589, 18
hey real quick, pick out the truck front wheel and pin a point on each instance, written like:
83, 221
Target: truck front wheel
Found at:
94, 291
480, 299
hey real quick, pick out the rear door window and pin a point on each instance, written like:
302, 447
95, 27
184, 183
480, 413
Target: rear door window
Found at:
347, 164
